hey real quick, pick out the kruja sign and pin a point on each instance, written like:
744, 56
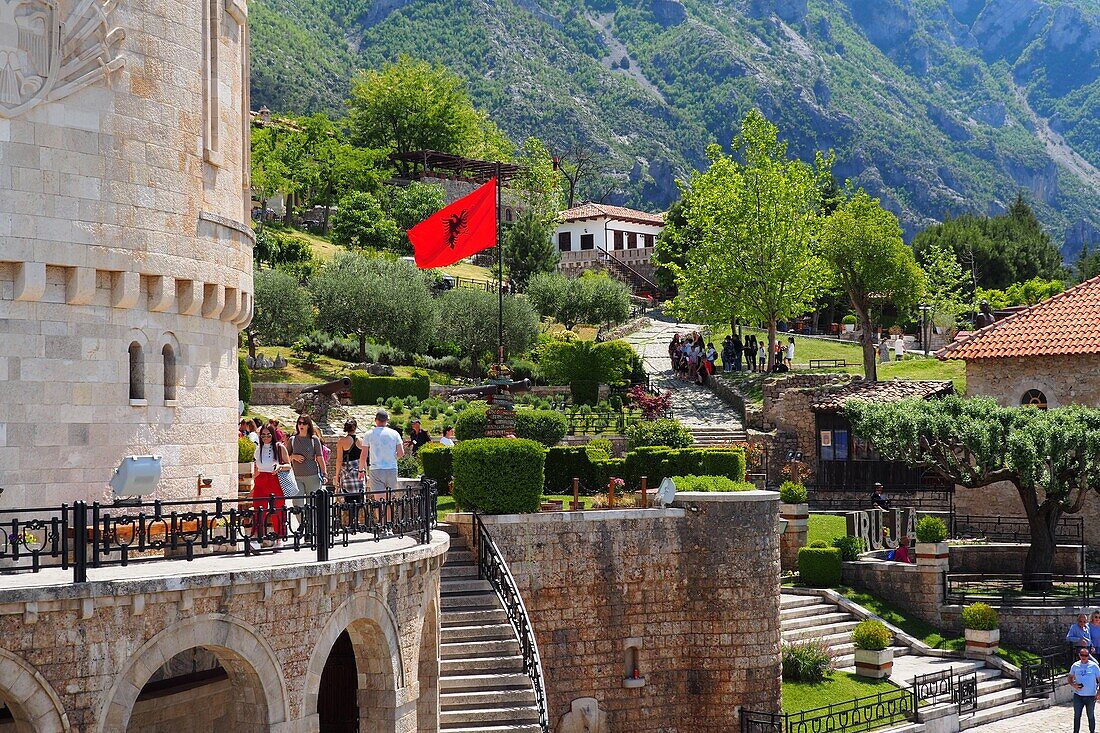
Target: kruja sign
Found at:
881, 530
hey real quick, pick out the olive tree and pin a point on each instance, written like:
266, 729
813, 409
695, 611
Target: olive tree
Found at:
469, 322
282, 311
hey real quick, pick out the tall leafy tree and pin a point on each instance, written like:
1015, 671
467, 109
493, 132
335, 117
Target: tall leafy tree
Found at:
945, 285
409, 205
386, 300
862, 243
1087, 265
360, 223
594, 299
282, 310
529, 248
470, 323
759, 214
1051, 458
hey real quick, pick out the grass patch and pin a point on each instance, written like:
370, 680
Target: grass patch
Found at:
466, 270
323, 369
446, 504
838, 687
825, 527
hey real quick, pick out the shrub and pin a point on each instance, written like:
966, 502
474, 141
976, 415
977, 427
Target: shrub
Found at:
584, 391
599, 449
498, 475
710, 483
980, 617
931, 530
665, 432
872, 635
246, 450
728, 462
471, 424
436, 459
850, 547
563, 463
366, 389
806, 661
603, 470
819, 567
792, 493
244, 382
523, 369
849, 320
546, 426
408, 466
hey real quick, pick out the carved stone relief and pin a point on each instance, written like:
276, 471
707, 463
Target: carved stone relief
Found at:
584, 716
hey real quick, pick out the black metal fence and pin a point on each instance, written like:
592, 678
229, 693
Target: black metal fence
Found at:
851, 716
1039, 676
1068, 531
946, 686
604, 421
81, 536
1046, 589
492, 567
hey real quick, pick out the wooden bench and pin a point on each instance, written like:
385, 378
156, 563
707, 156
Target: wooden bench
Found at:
828, 363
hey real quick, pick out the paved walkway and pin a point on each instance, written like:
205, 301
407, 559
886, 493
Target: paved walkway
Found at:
1053, 720
692, 405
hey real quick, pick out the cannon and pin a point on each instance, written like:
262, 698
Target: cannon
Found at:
328, 388
487, 390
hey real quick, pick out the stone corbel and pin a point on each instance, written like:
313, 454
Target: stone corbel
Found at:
30, 281
125, 289
213, 300
162, 291
232, 304
191, 297
245, 316
80, 287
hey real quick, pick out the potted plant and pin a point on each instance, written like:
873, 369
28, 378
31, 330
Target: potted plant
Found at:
931, 547
981, 627
792, 503
874, 657
246, 451
849, 322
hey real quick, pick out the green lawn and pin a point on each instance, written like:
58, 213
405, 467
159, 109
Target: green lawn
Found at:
446, 504
838, 687
324, 368
825, 527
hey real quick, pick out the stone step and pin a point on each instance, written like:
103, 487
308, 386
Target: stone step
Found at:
450, 529
473, 618
829, 640
822, 619
502, 714
479, 699
461, 571
463, 586
510, 728
479, 632
798, 612
486, 648
997, 684
1003, 712
996, 699
459, 555
506, 664
485, 682
468, 602
820, 631
792, 601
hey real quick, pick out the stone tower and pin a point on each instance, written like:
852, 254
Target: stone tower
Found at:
125, 248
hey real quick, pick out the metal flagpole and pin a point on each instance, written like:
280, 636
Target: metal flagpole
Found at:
500, 275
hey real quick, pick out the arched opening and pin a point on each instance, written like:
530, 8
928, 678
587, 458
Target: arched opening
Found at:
337, 698
1034, 398
169, 357
427, 705
28, 704
357, 693
137, 372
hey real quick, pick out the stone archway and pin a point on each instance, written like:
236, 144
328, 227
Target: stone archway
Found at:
380, 675
427, 673
32, 702
257, 685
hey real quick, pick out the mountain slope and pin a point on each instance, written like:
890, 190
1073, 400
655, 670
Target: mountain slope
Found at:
937, 106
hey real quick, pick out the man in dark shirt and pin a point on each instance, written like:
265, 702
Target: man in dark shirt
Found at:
418, 436
878, 499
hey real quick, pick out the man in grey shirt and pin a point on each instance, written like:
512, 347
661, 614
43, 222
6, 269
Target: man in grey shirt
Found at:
384, 447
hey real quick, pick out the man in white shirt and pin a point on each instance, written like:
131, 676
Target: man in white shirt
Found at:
384, 447
448, 438
1083, 675
899, 348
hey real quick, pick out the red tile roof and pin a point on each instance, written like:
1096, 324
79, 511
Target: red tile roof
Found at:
832, 399
599, 211
1064, 324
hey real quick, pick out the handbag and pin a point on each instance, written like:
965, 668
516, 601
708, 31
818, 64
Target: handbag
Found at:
286, 478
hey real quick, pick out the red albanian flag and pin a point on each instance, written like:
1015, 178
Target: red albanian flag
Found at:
467, 226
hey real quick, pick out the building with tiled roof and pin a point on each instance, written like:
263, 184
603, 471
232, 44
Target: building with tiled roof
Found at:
600, 235
834, 399
1045, 355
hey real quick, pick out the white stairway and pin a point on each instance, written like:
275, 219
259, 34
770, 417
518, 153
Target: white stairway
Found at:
803, 618
710, 435
482, 685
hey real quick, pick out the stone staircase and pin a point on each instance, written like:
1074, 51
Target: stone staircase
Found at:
710, 435
805, 617
482, 685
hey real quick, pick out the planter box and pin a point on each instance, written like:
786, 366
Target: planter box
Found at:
797, 516
849, 327
875, 664
982, 642
933, 554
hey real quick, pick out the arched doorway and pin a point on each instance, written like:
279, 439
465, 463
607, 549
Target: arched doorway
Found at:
338, 696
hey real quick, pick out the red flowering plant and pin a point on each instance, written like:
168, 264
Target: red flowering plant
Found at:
652, 406
754, 455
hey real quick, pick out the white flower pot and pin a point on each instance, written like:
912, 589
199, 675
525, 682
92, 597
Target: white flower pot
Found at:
849, 327
982, 642
797, 516
875, 664
933, 555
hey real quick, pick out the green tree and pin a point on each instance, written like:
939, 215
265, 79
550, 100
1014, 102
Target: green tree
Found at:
538, 185
593, 299
409, 205
529, 248
412, 105
1051, 458
944, 285
862, 243
282, 311
469, 322
269, 174
360, 223
674, 241
579, 363
758, 215
386, 300
1087, 265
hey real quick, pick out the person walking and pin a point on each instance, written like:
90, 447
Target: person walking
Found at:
384, 447
1083, 677
750, 353
349, 470
267, 496
306, 458
899, 347
790, 353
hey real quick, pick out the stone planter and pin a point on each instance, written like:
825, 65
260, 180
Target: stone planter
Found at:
849, 327
875, 664
982, 642
933, 555
794, 526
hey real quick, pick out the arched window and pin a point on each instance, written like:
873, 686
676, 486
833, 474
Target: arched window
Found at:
137, 372
169, 357
1034, 398
508, 215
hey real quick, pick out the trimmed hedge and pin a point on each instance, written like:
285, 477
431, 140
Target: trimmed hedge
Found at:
819, 567
584, 392
656, 463
850, 547
244, 382
792, 493
871, 635
665, 432
980, 617
931, 529
564, 462
470, 424
498, 475
367, 389
437, 459
546, 426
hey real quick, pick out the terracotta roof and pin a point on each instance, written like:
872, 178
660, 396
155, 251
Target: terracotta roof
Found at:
1067, 323
599, 211
832, 399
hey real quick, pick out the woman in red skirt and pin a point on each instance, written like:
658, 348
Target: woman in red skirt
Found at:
271, 457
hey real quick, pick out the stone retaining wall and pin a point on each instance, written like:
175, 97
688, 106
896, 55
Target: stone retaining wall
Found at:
1030, 628
693, 588
918, 590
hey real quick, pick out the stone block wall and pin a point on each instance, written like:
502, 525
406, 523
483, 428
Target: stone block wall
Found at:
915, 588
1002, 499
1063, 380
1036, 629
695, 587
1009, 558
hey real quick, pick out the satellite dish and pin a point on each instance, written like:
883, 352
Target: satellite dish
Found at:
666, 492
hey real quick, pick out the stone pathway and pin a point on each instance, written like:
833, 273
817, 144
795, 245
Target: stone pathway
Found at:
692, 405
1055, 720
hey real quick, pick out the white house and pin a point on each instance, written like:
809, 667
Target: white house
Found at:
599, 234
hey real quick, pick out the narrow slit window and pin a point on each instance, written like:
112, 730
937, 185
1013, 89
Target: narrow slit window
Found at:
169, 357
137, 372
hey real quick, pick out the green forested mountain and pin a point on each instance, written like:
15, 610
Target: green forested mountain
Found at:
938, 106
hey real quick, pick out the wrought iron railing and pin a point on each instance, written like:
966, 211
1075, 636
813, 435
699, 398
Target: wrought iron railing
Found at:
1068, 531
1038, 676
1046, 589
597, 422
946, 686
851, 716
83, 536
929, 500
492, 567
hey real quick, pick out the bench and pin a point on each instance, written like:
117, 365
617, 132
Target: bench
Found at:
828, 363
